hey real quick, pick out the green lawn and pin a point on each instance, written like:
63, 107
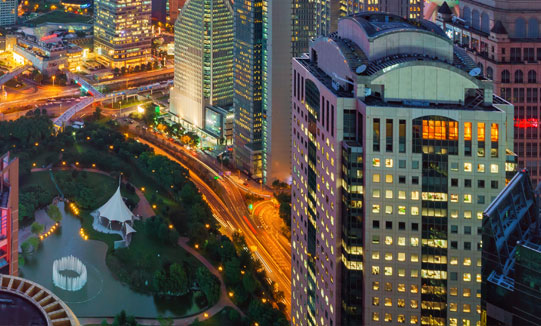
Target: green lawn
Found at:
38, 178
59, 16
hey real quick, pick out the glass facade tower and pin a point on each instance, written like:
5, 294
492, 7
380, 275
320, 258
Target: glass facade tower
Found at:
122, 34
203, 59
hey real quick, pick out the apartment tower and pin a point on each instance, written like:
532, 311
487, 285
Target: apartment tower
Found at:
122, 35
398, 146
203, 60
8, 12
9, 215
503, 37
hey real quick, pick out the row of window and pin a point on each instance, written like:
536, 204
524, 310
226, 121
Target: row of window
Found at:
519, 77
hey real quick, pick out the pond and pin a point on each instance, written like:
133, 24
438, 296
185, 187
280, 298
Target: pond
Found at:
103, 295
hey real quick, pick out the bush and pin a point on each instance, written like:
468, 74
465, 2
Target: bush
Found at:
209, 284
37, 228
54, 213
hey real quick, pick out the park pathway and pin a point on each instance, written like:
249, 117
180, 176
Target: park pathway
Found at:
223, 302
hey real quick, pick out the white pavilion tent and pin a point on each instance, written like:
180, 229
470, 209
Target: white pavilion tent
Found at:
115, 215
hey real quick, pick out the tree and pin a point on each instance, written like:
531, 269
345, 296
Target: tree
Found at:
97, 113
178, 278
37, 228
54, 213
209, 284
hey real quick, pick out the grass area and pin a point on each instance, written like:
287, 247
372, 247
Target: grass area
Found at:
59, 16
38, 178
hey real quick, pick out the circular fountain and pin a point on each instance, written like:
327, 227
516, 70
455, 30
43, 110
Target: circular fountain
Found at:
69, 273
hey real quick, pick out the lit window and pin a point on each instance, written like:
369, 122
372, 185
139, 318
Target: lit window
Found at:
453, 292
478, 278
467, 167
467, 198
376, 178
375, 270
388, 302
480, 167
466, 277
414, 258
375, 316
401, 256
401, 241
388, 256
375, 193
388, 286
414, 210
454, 198
388, 317
375, 208
466, 307
467, 215
388, 209
453, 321
479, 215
389, 194
401, 210
414, 273
376, 162
494, 132
453, 306
466, 322
414, 304
388, 240
401, 287
388, 271
467, 262
454, 261
389, 163
375, 286
389, 178
414, 241
375, 255
454, 214
414, 320
401, 272
480, 131
414, 195
493, 168
375, 301
467, 130
414, 288
401, 194
401, 303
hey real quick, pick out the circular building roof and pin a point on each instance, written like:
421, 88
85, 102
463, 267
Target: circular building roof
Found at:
24, 302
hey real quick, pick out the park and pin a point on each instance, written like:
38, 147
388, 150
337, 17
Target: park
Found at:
163, 272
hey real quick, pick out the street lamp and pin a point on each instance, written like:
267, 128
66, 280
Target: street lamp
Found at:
54, 77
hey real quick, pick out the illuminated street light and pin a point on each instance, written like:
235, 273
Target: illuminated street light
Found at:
231, 294
196, 246
220, 268
140, 109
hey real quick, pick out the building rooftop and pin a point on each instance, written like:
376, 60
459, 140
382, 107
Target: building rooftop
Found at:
376, 24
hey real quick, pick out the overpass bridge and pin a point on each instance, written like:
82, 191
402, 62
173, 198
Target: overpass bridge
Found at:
86, 86
10, 75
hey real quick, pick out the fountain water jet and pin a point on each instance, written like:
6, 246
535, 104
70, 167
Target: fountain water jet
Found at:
65, 282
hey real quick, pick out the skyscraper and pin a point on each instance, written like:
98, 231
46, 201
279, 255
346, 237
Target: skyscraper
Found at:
9, 215
8, 12
511, 287
504, 40
203, 60
122, 35
248, 87
398, 145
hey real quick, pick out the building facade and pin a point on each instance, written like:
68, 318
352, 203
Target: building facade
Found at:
9, 215
398, 146
203, 60
511, 288
122, 32
8, 12
504, 40
248, 87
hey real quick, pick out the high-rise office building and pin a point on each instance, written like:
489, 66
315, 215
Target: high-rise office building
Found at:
511, 287
203, 60
503, 38
8, 12
248, 87
9, 215
173, 9
122, 34
398, 145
